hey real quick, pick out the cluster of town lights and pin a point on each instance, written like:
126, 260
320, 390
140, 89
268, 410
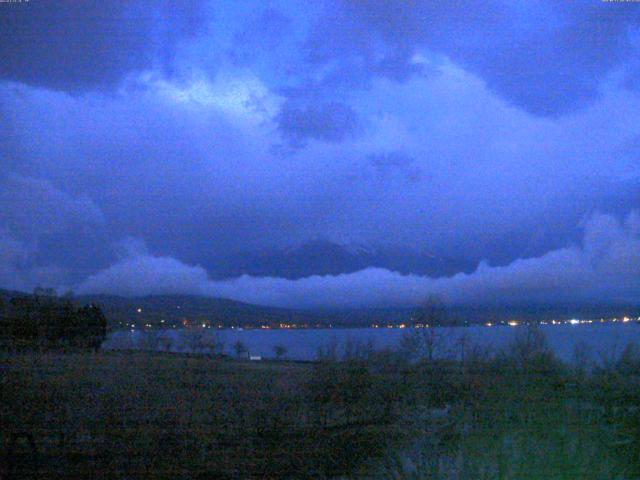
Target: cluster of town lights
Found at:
573, 321
512, 323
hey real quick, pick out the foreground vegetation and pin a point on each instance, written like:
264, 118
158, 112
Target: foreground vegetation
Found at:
509, 415
139, 415
43, 321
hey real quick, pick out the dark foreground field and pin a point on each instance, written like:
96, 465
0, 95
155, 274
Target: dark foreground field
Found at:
515, 415
138, 415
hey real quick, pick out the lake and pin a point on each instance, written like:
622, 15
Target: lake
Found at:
604, 341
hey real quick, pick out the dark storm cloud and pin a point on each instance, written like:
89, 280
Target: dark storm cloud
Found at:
329, 122
427, 151
80, 45
34, 214
548, 58
30, 207
390, 163
603, 266
186, 168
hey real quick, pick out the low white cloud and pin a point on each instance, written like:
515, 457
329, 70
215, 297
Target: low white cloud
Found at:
239, 95
605, 267
146, 275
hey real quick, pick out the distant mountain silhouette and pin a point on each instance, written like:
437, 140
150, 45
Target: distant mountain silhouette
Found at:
170, 310
324, 257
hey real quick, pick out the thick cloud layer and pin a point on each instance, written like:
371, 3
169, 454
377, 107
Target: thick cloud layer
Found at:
76, 46
35, 214
289, 154
546, 57
603, 268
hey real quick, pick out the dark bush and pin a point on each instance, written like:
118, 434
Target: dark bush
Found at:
46, 322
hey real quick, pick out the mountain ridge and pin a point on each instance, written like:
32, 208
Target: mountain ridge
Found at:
188, 310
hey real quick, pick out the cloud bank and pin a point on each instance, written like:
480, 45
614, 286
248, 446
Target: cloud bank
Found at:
604, 267
270, 152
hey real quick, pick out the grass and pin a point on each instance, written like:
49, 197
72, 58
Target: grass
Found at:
512, 424
519, 414
144, 415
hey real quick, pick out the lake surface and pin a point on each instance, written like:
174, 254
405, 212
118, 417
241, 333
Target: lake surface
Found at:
603, 341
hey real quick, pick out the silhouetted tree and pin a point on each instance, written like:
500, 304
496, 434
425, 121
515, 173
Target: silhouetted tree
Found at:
93, 326
239, 348
426, 343
530, 350
43, 321
280, 351
195, 340
433, 312
358, 349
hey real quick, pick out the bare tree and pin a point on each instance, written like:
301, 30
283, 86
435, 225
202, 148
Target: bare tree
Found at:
462, 345
240, 348
530, 350
358, 349
425, 342
433, 312
582, 359
165, 342
217, 344
194, 340
280, 351
328, 352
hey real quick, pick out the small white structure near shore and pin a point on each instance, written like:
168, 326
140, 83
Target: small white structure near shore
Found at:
255, 357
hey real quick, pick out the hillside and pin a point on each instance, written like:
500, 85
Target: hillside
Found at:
170, 310
178, 310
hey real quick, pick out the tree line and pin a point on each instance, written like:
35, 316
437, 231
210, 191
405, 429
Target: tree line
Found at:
45, 321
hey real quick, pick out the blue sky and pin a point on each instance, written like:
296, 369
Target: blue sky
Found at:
343, 153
